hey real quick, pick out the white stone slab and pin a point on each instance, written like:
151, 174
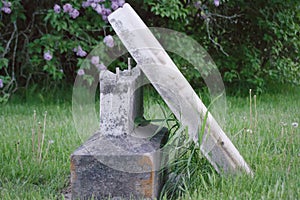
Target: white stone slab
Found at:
175, 90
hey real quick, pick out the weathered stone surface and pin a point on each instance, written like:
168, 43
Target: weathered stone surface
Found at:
120, 161
122, 167
120, 101
188, 108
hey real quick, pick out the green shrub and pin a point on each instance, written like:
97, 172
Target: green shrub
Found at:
252, 43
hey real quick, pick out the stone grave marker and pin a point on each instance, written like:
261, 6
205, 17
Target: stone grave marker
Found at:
121, 161
188, 108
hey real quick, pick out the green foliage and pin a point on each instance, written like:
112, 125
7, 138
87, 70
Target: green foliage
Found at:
173, 9
262, 43
252, 43
27, 35
272, 150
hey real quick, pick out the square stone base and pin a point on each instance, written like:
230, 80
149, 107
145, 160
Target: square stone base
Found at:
122, 167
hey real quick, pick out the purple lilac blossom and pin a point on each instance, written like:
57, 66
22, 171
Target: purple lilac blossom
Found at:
104, 18
80, 72
93, 5
6, 10
56, 8
109, 41
68, 8
98, 9
95, 60
114, 5
80, 52
101, 67
74, 14
47, 56
121, 3
6, 4
1, 83
217, 2
85, 4
108, 11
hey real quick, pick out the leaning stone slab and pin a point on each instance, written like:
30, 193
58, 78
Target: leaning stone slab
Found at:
176, 91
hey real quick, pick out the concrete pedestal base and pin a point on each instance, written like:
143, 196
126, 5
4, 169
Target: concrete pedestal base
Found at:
122, 167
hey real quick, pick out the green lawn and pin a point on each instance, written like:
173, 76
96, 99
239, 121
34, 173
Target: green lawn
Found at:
272, 150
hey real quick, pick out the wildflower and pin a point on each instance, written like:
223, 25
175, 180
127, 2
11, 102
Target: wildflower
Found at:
6, 10
249, 131
56, 8
1, 83
80, 72
51, 141
217, 2
68, 8
61, 70
74, 14
95, 60
101, 67
47, 56
295, 124
109, 41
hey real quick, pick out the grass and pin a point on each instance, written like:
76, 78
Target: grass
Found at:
272, 150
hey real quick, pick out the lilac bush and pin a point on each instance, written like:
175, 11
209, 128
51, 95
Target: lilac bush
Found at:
52, 42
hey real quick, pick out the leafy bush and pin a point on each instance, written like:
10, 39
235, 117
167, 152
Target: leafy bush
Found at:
252, 43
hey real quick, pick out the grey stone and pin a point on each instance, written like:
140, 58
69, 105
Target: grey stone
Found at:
176, 91
120, 101
122, 167
121, 160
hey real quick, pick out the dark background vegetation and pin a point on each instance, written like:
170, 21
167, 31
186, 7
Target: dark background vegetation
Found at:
253, 43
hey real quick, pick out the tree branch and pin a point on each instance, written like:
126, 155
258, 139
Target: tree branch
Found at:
211, 39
